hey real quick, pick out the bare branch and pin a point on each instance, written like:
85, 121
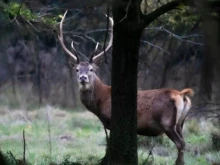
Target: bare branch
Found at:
155, 46
181, 38
78, 36
126, 9
92, 39
12, 156
93, 31
147, 19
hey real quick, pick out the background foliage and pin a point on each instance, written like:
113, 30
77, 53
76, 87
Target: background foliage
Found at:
34, 70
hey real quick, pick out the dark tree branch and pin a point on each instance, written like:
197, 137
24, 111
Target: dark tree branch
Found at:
147, 19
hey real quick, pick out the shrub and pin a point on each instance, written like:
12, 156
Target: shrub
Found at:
193, 127
215, 136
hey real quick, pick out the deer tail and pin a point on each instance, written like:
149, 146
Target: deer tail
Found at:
187, 92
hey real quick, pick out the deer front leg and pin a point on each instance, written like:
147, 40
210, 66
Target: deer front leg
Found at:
180, 144
105, 159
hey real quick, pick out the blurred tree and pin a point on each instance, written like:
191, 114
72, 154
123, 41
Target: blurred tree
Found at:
131, 17
129, 25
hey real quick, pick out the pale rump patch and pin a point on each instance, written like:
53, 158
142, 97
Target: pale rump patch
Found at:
179, 106
182, 104
187, 106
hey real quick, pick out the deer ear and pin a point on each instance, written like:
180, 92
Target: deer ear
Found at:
95, 67
98, 62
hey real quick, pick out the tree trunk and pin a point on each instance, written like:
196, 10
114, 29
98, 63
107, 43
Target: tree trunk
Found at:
39, 76
126, 41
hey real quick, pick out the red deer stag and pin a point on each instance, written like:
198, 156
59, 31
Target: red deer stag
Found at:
158, 111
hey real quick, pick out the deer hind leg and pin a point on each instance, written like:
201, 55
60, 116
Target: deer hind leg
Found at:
179, 129
179, 142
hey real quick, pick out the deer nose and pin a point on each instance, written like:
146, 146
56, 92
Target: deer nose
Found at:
83, 78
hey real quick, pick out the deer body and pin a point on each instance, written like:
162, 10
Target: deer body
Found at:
159, 111
152, 116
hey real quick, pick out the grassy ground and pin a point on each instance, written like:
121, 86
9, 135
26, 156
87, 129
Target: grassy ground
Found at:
59, 136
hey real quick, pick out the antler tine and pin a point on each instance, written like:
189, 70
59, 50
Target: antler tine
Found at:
96, 47
72, 46
109, 44
60, 37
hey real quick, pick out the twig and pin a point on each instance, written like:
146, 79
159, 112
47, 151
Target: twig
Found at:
155, 46
18, 12
181, 38
12, 156
126, 15
150, 151
93, 31
20, 7
24, 146
82, 55
92, 39
78, 36
49, 134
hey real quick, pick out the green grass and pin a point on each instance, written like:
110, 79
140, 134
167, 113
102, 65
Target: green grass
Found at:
74, 135
79, 137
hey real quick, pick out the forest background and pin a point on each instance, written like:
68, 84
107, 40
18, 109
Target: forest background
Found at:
38, 87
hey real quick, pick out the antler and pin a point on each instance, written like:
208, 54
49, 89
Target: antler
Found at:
60, 37
97, 57
96, 47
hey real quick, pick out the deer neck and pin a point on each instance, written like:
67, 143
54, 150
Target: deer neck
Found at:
92, 97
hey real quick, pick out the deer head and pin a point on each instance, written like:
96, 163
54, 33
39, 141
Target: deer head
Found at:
85, 70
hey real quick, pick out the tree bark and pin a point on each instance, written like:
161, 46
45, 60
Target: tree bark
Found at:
123, 138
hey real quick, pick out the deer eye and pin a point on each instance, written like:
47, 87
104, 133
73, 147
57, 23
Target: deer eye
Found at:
77, 70
91, 70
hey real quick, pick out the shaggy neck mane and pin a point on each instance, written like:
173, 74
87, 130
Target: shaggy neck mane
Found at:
92, 98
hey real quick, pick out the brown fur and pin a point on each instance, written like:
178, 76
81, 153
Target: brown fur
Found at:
159, 111
187, 91
155, 108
